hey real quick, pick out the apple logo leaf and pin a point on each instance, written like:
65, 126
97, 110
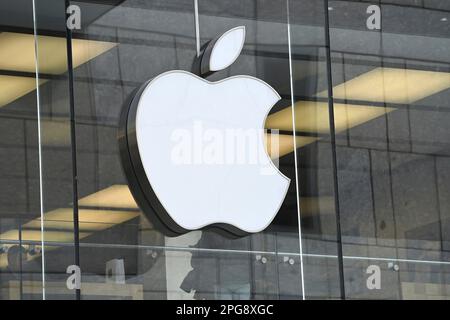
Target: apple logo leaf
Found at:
221, 52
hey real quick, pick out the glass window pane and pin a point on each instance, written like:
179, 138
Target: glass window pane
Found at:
56, 150
20, 264
392, 83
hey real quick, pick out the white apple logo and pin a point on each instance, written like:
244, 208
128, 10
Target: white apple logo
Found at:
231, 196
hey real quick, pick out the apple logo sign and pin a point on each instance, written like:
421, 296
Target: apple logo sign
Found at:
234, 197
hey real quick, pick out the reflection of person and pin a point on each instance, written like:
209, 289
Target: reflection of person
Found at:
17, 255
219, 273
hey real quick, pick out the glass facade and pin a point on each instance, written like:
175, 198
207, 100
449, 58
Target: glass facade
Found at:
363, 131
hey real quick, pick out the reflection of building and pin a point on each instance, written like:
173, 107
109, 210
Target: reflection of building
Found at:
390, 142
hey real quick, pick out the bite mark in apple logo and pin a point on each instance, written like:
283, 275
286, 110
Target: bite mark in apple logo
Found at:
234, 198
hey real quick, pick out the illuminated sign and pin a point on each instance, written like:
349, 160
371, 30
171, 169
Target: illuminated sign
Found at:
194, 151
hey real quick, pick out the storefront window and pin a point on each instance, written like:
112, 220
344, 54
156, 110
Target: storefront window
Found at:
361, 131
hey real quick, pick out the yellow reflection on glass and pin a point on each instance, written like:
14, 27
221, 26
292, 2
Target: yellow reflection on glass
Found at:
392, 85
116, 196
278, 145
12, 87
89, 219
17, 52
35, 235
313, 117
